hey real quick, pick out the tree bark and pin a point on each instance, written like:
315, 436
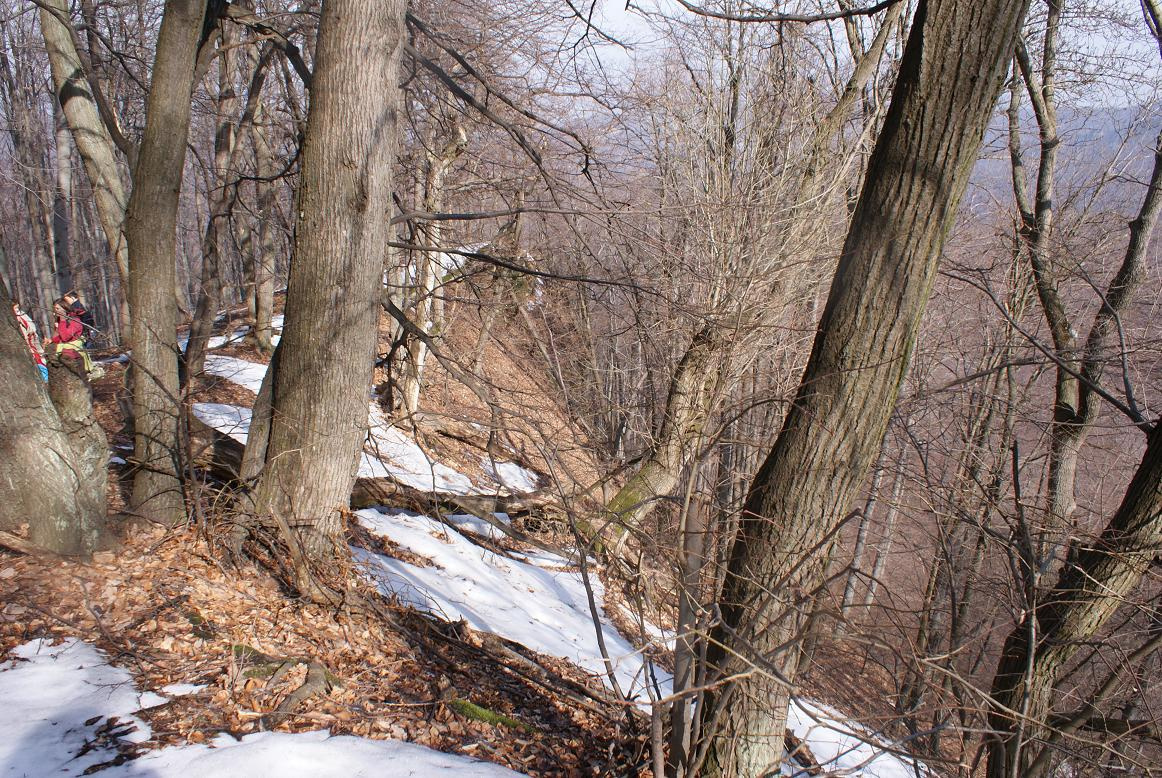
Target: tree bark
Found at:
949, 78
150, 226
261, 254
57, 490
428, 308
321, 383
1091, 588
90, 135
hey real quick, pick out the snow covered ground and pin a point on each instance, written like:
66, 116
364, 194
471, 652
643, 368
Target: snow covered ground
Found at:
58, 698
534, 601
539, 604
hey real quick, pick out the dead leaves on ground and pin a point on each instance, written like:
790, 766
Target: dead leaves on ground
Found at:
165, 608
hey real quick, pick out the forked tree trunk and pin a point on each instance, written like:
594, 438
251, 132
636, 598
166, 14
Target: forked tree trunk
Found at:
949, 78
151, 228
320, 385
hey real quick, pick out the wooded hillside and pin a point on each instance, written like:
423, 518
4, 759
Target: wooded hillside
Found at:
806, 353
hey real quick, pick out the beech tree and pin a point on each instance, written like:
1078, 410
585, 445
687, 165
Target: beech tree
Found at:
151, 229
949, 78
319, 379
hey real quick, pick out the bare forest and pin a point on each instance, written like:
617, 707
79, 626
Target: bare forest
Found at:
825, 334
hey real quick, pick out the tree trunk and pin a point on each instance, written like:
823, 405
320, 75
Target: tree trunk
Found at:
949, 78
261, 254
687, 407
428, 308
62, 203
90, 135
1092, 587
320, 386
223, 193
57, 490
150, 226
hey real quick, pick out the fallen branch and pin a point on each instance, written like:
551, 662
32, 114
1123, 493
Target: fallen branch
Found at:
471, 710
22, 546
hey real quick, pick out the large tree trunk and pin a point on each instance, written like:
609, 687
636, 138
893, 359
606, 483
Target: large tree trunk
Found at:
321, 382
46, 482
949, 78
150, 226
90, 135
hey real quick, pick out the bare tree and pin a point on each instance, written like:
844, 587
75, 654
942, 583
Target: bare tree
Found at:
323, 362
150, 227
949, 78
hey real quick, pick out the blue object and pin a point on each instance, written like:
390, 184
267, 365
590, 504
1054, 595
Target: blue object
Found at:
43, 373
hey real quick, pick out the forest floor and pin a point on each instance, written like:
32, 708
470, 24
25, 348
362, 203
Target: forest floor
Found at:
175, 606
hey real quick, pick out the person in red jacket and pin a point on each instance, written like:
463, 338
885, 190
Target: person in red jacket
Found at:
28, 330
69, 340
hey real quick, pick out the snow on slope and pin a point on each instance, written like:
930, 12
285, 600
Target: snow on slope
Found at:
57, 697
47, 700
240, 371
392, 453
534, 602
541, 606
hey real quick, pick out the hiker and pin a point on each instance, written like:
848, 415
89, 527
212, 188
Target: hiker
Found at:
77, 310
69, 340
28, 330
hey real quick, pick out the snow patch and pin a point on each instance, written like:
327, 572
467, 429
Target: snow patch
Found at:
545, 610
391, 453
466, 522
246, 374
232, 420
50, 692
511, 476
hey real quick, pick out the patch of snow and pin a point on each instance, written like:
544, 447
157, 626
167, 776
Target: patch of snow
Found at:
182, 689
392, 453
232, 420
49, 696
240, 371
116, 460
652, 632
510, 475
278, 322
842, 746
50, 692
545, 610
466, 522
